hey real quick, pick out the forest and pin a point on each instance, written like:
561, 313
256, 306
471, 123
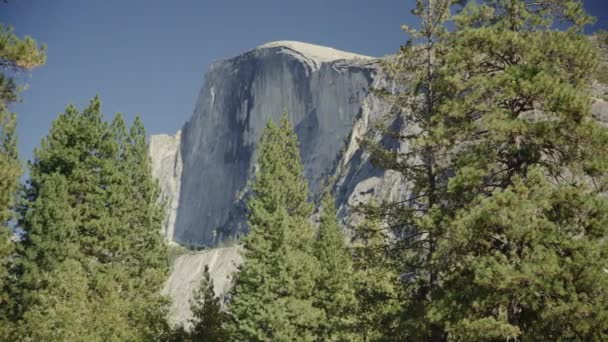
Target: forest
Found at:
505, 237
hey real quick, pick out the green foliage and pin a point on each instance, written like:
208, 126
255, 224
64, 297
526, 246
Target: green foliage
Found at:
15, 55
601, 40
10, 171
377, 285
417, 145
536, 259
62, 311
273, 291
91, 201
529, 237
504, 234
335, 287
18, 53
208, 320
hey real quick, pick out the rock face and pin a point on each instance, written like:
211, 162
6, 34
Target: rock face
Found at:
167, 169
321, 89
187, 272
203, 172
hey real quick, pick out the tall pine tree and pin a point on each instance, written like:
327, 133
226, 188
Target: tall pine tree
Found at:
272, 295
377, 282
91, 200
417, 146
530, 173
18, 55
335, 287
501, 115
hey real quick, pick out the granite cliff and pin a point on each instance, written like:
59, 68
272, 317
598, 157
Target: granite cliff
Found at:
203, 171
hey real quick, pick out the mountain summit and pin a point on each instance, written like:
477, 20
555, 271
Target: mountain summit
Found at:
204, 173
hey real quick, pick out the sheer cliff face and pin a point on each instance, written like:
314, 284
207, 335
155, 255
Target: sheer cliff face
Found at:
167, 169
321, 89
203, 173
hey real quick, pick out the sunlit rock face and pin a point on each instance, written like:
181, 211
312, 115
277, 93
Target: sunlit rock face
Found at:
204, 171
167, 169
320, 88
187, 272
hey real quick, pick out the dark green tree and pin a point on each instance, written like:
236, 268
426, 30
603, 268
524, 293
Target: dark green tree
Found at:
377, 283
273, 291
208, 322
134, 203
16, 55
91, 199
530, 173
513, 245
63, 311
335, 288
417, 146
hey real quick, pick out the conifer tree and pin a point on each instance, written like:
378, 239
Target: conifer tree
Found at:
63, 310
273, 291
529, 174
16, 55
335, 288
90, 199
148, 252
415, 145
134, 204
377, 286
519, 169
208, 322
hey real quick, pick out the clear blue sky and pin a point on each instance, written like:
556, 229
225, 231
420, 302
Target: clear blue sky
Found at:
148, 57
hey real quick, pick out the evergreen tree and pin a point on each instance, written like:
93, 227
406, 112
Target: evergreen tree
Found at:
79, 151
417, 146
141, 247
377, 286
507, 234
62, 311
273, 291
208, 320
148, 253
335, 288
530, 238
90, 199
15, 55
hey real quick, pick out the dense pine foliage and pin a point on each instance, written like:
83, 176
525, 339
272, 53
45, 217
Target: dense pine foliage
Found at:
16, 56
503, 234
272, 294
90, 213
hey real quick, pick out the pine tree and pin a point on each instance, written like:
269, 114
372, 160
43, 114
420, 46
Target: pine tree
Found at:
10, 171
528, 242
15, 55
79, 151
63, 310
90, 199
417, 146
208, 322
134, 203
272, 295
500, 111
377, 284
148, 251
335, 287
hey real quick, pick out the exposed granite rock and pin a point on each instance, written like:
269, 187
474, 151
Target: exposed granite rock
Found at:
167, 169
322, 90
326, 93
187, 272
